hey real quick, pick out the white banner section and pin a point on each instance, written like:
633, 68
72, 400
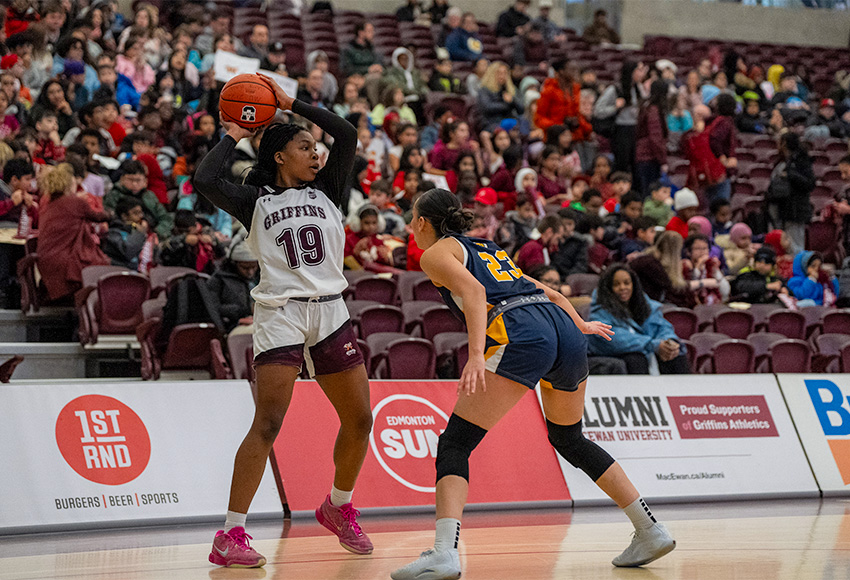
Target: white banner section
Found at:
821, 411
81, 454
694, 436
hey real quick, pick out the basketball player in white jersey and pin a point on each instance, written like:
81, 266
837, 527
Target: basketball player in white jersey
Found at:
295, 229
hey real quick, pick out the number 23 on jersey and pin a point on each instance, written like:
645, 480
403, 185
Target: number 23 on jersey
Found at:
501, 267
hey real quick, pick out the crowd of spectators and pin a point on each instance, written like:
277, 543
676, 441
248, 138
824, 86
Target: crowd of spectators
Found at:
107, 115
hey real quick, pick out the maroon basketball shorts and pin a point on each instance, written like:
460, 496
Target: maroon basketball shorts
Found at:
316, 333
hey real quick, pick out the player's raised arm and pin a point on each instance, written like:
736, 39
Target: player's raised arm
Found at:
210, 181
341, 159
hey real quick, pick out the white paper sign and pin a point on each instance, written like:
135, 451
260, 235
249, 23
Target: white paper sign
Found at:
289, 86
438, 180
79, 454
227, 65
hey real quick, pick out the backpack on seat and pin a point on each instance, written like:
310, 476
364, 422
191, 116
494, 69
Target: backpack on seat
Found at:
705, 168
189, 301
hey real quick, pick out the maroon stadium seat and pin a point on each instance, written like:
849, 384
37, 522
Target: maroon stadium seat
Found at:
119, 304
189, 347
704, 343
829, 349
787, 323
452, 350
425, 290
413, 310
684, 321
790, 356
706, 313
813, 315
377, 344
439, 319
760, 313
220, 366
735, 323
836, 322
410, 358
406, 281
761, 342
381, 290
380, 318
733, 357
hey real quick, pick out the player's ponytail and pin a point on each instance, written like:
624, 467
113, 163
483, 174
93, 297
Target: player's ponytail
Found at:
444, 211
274, 139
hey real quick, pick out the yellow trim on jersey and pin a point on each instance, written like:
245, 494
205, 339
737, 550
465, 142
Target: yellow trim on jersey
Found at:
545, 384
498, 333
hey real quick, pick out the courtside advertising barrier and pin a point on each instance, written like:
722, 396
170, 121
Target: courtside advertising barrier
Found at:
514, 463
699, 436
821, 411
88, 455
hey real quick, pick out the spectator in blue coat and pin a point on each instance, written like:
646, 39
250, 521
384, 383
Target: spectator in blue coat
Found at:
463, 42
643, 338
810, 284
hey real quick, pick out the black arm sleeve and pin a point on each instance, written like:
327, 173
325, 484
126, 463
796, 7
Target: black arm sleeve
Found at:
334, 175
237, 200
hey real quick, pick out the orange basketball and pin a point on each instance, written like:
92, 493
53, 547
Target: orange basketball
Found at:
247, 101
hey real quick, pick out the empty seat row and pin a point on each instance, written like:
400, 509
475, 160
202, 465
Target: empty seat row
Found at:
767, 352
802, 324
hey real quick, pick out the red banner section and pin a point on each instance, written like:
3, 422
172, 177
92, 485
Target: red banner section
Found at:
514, 463
719, 417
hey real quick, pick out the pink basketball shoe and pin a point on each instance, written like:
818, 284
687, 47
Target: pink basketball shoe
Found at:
231, 549
342, 521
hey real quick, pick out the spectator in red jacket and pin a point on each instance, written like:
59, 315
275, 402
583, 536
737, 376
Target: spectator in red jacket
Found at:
651, 147
686, 205
19, 16
559, 101
141, 144
537, 252
65, 246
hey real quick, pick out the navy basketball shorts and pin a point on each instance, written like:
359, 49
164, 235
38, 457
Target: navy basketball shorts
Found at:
316, 333
537, 343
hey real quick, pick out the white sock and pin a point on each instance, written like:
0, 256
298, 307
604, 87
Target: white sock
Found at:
339, 497
640, 514
234, 520
448, 534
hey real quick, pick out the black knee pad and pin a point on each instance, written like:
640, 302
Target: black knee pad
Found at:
580, 452
455, 446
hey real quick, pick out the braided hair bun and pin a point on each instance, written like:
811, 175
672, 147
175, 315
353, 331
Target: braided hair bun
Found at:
444, 211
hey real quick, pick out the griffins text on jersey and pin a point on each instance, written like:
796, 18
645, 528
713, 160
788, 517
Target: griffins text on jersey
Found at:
296, 211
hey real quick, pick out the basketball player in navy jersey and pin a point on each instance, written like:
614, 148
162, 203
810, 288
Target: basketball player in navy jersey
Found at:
520, 333
290, 207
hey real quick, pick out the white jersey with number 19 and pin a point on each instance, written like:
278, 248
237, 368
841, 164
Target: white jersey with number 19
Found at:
298, 235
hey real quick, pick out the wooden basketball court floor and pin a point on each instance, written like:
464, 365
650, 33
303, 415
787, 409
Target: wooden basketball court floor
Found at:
793, 539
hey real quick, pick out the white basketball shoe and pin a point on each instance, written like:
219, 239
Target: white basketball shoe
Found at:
647, 545
431, 565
